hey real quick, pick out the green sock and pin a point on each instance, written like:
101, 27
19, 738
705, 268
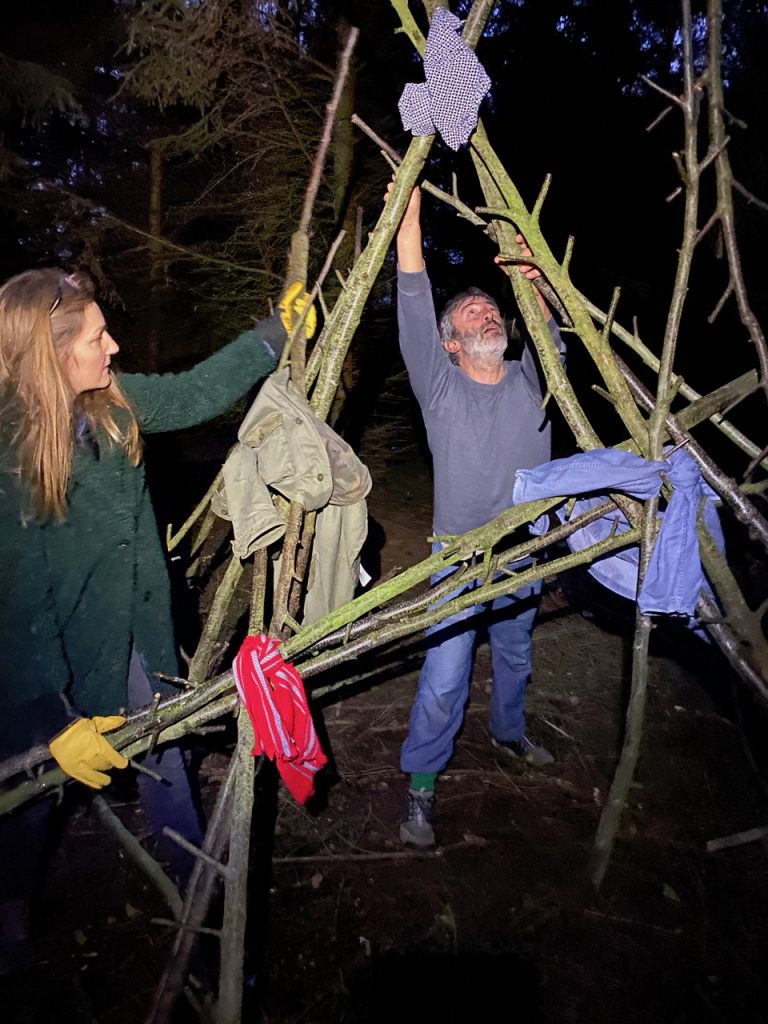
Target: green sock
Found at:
423, 780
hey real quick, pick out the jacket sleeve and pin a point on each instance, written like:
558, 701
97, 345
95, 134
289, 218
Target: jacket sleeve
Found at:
425, 358
532, 374
174, 401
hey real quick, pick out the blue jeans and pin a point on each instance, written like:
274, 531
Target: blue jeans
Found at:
25, 834
443, 689
172, 801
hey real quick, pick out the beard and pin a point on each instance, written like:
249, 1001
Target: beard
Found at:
484, 346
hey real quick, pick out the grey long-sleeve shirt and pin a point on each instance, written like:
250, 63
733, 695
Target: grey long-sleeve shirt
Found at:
479, 434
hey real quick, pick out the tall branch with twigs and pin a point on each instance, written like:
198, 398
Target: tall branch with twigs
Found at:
399, 607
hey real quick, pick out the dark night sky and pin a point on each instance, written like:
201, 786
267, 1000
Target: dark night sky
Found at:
566, 101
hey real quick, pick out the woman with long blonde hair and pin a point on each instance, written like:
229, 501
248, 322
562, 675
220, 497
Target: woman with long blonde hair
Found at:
85, 612
42, 367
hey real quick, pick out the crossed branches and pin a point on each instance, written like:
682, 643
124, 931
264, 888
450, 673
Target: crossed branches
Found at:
401, 606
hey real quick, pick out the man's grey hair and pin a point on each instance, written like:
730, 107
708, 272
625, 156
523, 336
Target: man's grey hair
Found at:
446, 327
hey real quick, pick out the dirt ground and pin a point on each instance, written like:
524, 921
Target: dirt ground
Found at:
501, 918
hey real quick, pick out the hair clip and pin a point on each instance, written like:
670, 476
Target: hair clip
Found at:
71, 281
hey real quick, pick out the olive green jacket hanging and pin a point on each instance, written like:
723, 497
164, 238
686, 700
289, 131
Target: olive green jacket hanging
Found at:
284, 448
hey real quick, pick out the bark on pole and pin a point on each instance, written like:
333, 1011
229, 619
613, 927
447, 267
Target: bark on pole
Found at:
297, 270
374, 619
232, 943
200, 892
181, 715
229, 1004
509, 215
610, 817
725, 213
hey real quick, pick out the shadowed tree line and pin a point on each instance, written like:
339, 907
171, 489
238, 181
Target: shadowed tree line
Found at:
226, 115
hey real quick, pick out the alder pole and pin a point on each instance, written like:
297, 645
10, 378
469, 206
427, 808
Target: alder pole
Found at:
229, 1004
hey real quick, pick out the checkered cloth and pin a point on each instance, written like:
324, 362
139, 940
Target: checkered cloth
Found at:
455, 85
272, 693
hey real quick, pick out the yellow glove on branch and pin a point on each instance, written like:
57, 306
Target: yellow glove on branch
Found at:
82, 752
292, 305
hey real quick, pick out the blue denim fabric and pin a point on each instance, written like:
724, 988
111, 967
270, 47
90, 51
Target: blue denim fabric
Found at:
443, 689
170, 802
25, 834
675, 576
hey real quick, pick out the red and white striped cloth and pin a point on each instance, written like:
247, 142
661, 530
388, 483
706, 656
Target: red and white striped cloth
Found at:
272, 693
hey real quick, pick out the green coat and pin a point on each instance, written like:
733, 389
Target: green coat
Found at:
77, 595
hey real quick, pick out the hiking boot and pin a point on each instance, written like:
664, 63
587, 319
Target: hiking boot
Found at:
417, 829
524, 750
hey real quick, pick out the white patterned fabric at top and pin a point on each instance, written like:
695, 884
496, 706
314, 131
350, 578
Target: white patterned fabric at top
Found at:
455, 85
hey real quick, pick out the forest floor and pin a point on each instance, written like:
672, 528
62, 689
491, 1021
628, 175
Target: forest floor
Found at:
500, 919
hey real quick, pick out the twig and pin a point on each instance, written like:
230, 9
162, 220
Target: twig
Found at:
743, 509
185, 927
139, 767
185, 844
737, 839
138, 854
287, 568
633, 922
757, 461
664, 92
557, 729
200, 665
97, 210
446, 197
258, 591
325, 138
724, 179
751, 198
322, 858
196, 904
632, 341
176, 680
610, 817
173, 540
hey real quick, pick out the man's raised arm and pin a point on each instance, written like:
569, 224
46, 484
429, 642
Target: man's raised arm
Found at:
409, 255
420, 344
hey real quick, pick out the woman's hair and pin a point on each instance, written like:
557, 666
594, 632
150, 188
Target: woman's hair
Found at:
41, 315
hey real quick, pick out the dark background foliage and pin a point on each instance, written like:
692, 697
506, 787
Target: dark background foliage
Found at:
568, 100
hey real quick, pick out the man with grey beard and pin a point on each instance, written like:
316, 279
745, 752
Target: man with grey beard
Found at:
484, 421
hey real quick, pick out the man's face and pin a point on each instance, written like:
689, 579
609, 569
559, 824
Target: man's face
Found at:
479, 328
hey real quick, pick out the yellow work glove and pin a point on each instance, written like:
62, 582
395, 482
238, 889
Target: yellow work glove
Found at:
83, 752
292, 305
